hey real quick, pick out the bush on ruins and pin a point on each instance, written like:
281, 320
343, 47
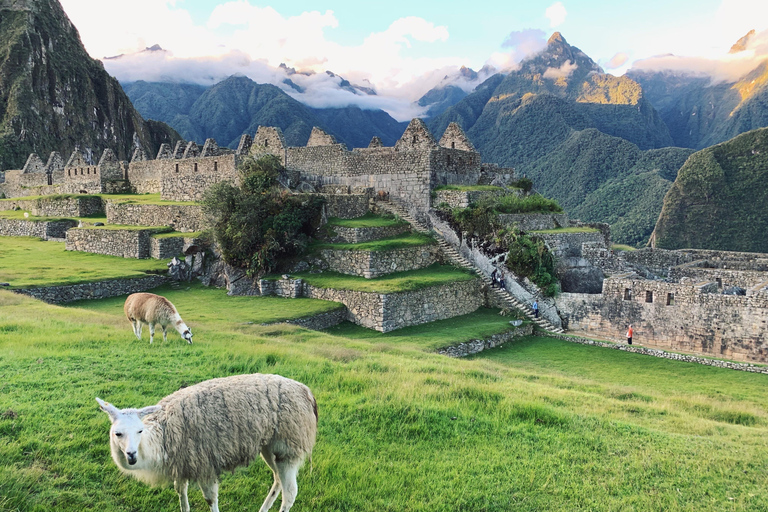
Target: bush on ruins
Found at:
257, 223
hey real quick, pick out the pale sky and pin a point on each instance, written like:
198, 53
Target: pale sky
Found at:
401, 47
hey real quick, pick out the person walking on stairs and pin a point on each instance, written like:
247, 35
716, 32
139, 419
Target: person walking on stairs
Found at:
536, 309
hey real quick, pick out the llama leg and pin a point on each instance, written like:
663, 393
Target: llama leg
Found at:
139, 326
151, 333
211, 494
269, 458
288, 469
136, 328
181, 489
165, 334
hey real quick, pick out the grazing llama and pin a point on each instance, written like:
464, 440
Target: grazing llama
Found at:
151, 309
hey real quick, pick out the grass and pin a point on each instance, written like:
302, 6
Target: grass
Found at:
470, 188
129, 227
622, 247
410, 280
177, 234
369, 220
142, 199
30, 262
118, 198
540, 424
237, 310
403, 241
19, 215
574, 229
481, 324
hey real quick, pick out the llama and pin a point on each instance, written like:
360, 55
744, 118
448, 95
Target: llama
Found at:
151, 309
196, 433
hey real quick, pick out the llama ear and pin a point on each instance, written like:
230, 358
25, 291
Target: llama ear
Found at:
109, 409
148, 410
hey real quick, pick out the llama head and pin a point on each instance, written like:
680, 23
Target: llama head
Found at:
125, 434
187, 335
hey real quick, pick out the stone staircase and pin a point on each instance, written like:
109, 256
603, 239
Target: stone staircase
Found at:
503, 296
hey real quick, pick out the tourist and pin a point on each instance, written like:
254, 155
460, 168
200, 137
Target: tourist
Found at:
536, 309
629, 335
493, 277
502, 283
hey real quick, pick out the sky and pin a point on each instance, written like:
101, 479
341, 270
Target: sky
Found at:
402, 48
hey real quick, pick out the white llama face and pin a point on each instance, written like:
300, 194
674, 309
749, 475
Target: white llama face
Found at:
127, 428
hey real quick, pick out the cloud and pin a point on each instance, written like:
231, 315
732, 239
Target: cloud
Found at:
522, 44
556, 14
563, 71
727, 68
617, 61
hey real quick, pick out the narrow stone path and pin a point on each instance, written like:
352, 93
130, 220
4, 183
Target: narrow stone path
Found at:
503, 296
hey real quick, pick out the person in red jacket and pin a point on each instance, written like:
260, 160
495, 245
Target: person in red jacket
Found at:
629, 335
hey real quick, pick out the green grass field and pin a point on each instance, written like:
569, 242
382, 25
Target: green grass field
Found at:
118, 198
397, 282
369, 220
470, 188
403, 241
29, 262
537, 425
572, 229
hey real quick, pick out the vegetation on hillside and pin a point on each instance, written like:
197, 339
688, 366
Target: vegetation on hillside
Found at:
257, 223
529, 256
718, 199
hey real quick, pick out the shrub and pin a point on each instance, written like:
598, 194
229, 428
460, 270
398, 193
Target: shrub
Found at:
529, 257
257, 223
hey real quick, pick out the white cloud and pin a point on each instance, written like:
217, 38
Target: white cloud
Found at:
725, 68
521, 44
618, 60
563, 71
556, 14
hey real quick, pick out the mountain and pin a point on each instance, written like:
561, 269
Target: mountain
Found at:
718, 199
573, 129
452, 89
701, 112
54, 97
238, 105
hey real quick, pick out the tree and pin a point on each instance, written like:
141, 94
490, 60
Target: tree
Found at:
257, 224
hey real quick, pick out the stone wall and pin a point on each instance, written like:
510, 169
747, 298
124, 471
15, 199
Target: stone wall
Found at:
127, 243
690, 318
96, 290
361, 235
346, 206
723, 277
370, 264
566, 245
463, 198
387, 312
476, 346
163, 248
535, 221
322, 320
184, 218
41, 229
188, 179
84, 206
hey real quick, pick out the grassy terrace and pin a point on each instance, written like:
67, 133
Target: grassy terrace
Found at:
243, 311
469, 188
30, 262
127, 227
177, 234
398, 282
117, 198
385, 244
483, 323
583, 229
539, 424
369, 220
19, 215
622, 247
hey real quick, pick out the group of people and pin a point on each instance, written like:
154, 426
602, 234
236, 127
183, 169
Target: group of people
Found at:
497, 279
